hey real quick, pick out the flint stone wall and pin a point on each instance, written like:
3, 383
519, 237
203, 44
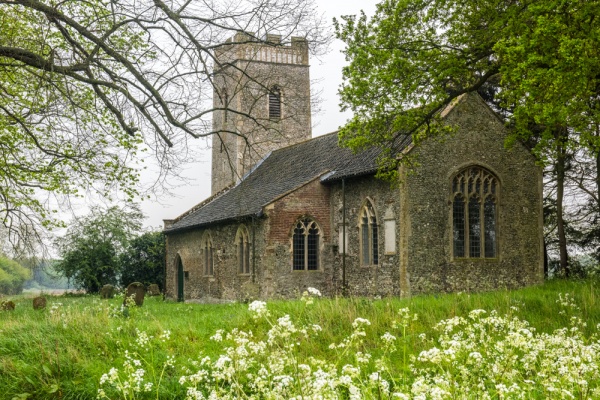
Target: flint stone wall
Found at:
425, 232
365, 280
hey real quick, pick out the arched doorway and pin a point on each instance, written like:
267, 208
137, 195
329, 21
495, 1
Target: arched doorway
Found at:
179, 279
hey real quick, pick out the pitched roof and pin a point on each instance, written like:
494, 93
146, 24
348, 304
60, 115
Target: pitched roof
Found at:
282, 171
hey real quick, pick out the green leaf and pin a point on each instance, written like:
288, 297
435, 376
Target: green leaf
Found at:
46, 369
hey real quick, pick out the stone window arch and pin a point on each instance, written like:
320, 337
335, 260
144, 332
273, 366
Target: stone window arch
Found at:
275, 103
368, 234
207, 255
243, 250
306, 245
474, 213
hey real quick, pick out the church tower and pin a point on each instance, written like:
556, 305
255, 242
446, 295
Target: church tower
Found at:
261, 100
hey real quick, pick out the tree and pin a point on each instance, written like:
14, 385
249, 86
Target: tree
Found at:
538, 59
12, 276
144, 260
89, 252
85, 87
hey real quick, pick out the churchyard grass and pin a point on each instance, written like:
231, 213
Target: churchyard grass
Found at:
85, 347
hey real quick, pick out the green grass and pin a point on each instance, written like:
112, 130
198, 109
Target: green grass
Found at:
63, 353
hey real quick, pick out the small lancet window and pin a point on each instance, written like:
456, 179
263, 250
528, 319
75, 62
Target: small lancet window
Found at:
243, 250
474, 211
305, 245
225, 100
275, 103
207, 255
369, 235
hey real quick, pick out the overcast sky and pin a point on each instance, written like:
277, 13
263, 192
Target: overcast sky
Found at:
326, 73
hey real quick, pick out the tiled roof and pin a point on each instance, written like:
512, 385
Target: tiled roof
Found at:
282, 171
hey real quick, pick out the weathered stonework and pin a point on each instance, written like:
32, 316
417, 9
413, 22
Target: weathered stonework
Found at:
425, 224
226, 281
371, 280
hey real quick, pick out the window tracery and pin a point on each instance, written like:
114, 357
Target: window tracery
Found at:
369, 235
474, 211
305, 245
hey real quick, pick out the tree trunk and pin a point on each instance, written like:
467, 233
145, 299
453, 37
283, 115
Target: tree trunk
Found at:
560, 187
598, 180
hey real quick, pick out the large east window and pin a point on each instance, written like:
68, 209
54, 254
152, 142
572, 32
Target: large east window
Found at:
305, 245
474, 214
369, 244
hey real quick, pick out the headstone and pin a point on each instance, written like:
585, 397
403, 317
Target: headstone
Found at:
7, 305
39, 303
153, 290
107, 292
136, 291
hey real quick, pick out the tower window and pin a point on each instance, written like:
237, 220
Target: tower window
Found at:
275, 103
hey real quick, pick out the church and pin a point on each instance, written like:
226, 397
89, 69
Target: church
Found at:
288, 211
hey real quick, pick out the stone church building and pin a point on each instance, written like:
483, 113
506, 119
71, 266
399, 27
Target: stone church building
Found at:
288, 211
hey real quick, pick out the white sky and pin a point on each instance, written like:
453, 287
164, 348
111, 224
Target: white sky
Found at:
326, 74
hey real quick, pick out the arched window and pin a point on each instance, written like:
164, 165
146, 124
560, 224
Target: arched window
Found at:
369, 245
243, 250
207, 255
275, 103
474, 210
305, 243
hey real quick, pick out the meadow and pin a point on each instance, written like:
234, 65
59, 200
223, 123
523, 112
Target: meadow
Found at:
537, 342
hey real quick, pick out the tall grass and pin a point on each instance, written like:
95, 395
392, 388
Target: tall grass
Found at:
64, 350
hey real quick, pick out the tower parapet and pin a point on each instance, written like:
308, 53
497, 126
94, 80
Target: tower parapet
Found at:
243, 46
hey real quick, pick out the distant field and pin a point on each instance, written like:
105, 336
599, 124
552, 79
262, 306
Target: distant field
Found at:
335, 348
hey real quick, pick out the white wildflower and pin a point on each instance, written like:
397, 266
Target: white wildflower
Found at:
259, 309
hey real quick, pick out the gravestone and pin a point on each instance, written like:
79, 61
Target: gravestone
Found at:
107, 292
137, 291
153, 290
7, 305
39, 303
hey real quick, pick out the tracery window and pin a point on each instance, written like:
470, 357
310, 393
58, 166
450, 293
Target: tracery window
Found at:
369, 243
275, 103
243, 250
207, 255
305, 245
474, 211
